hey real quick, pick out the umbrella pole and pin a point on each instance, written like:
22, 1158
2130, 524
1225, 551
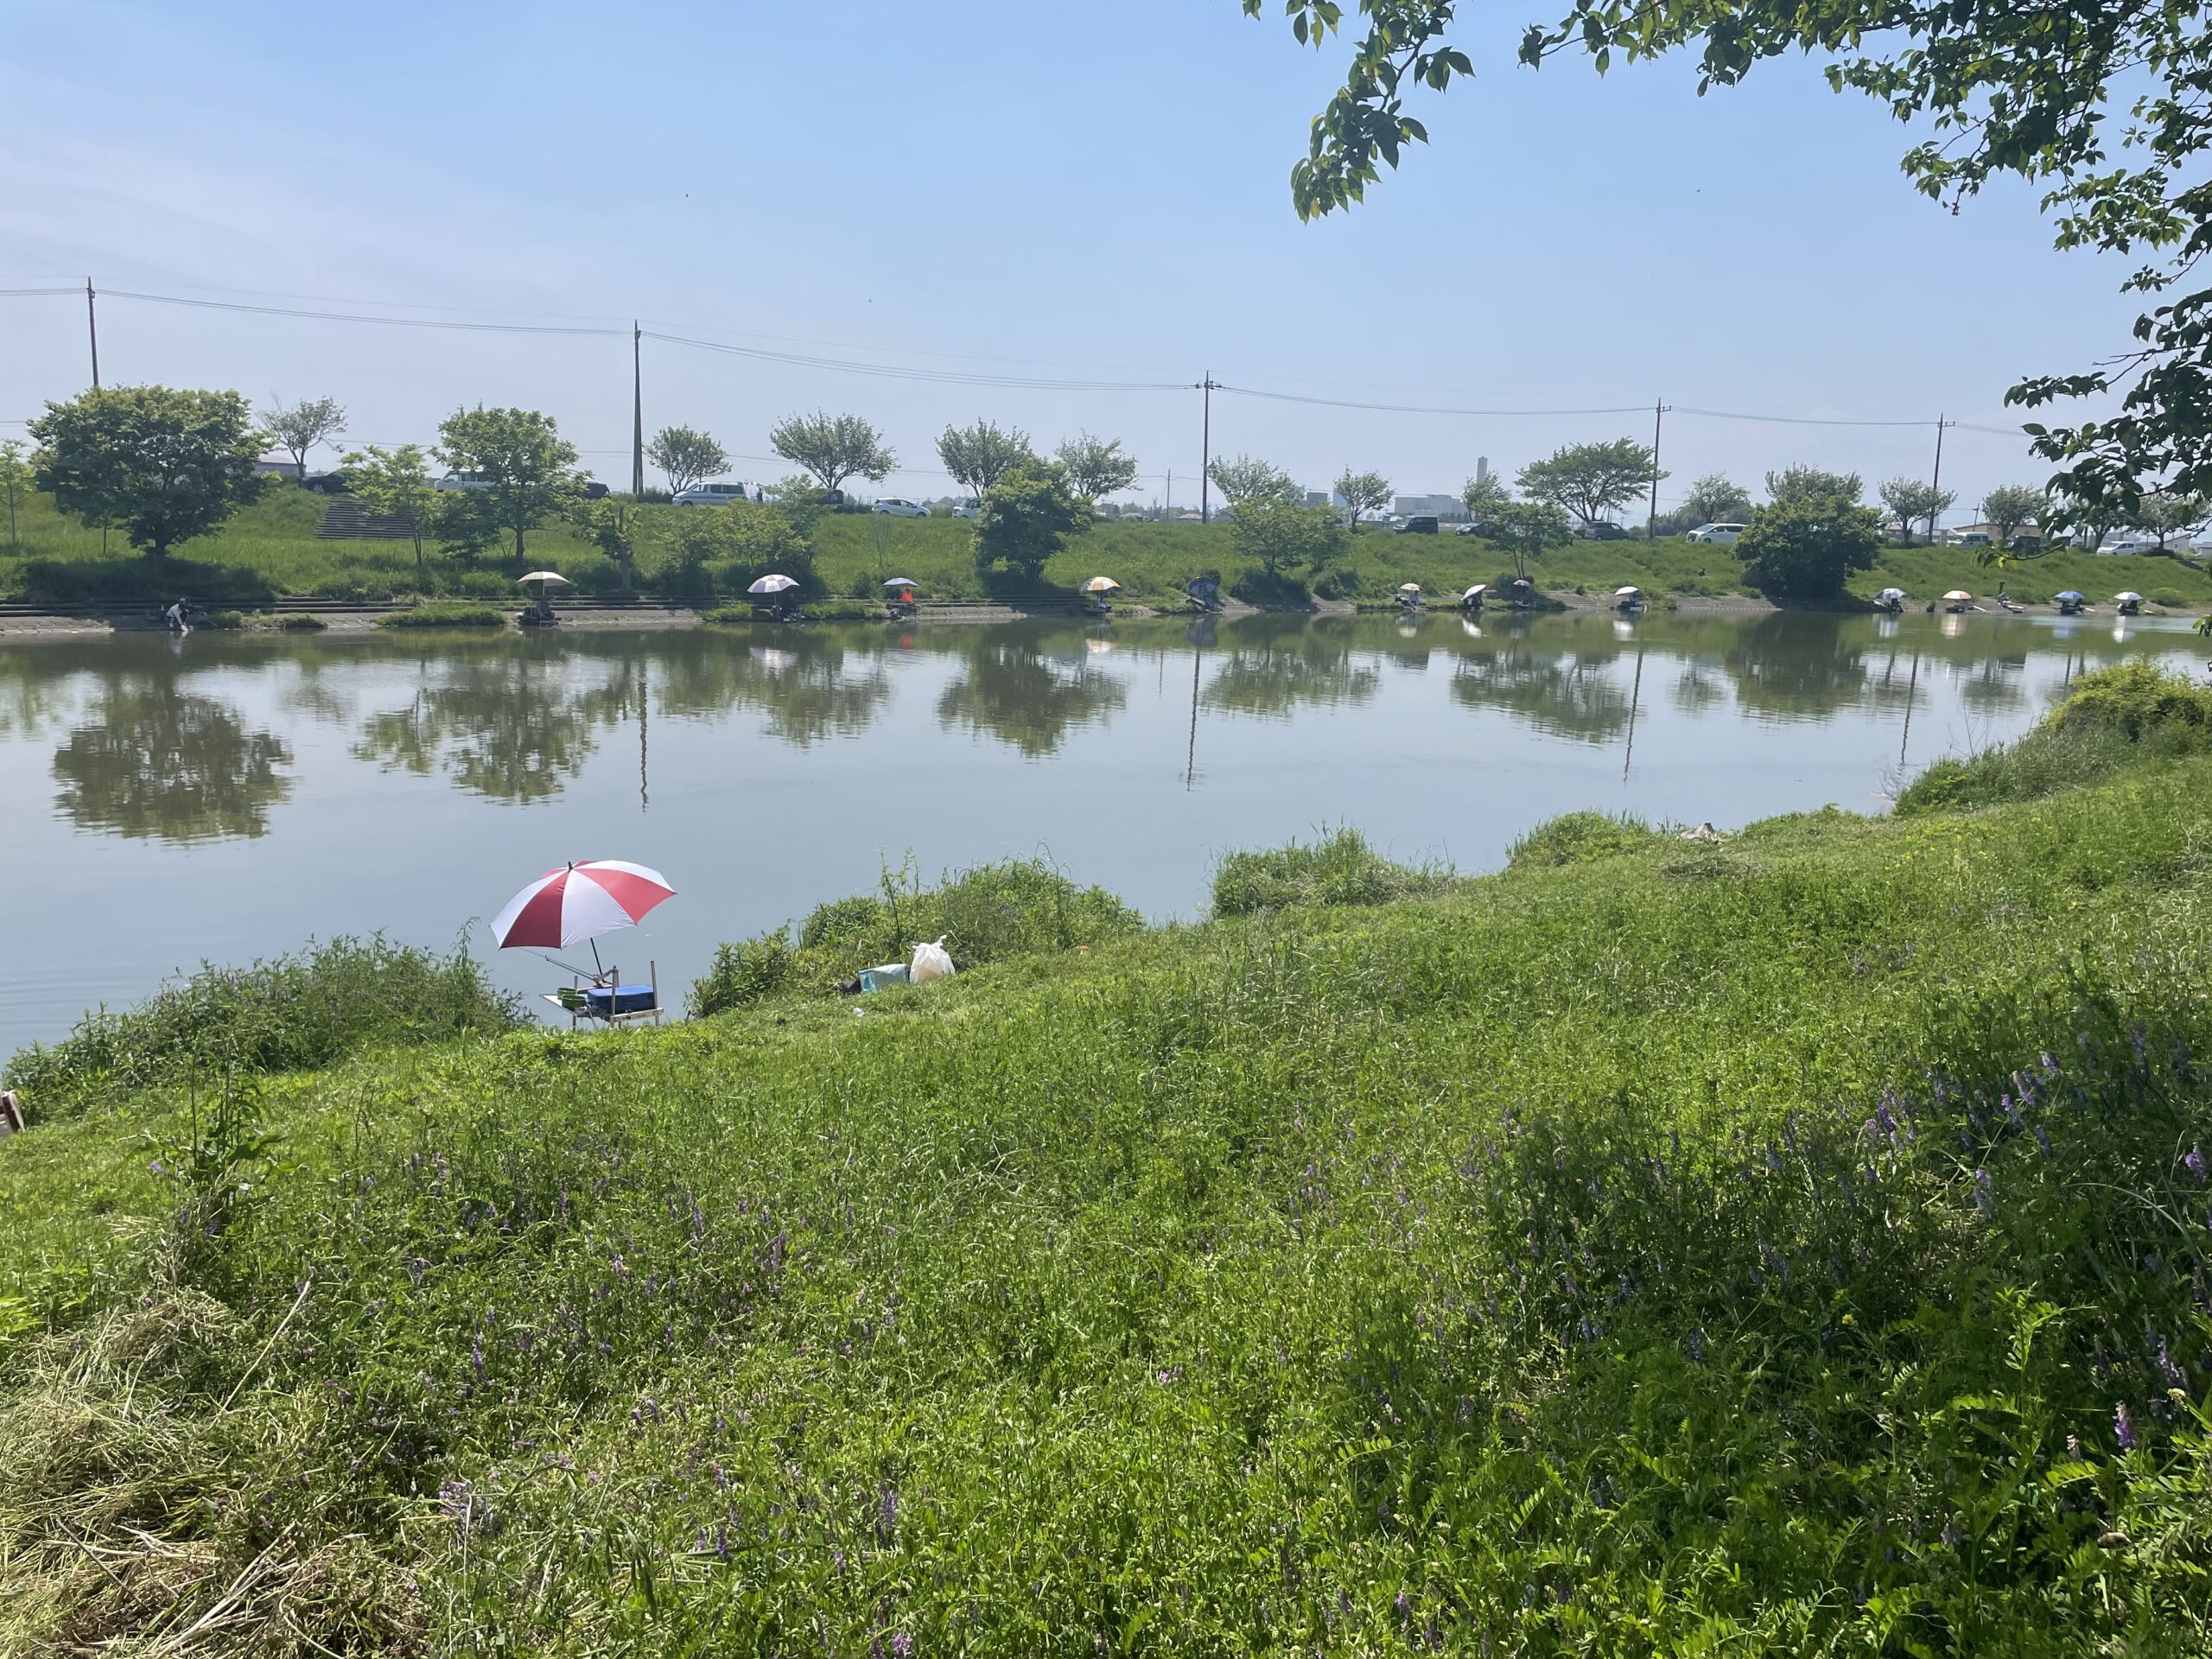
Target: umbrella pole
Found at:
600, 971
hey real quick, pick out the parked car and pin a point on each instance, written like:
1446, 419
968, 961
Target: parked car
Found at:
594, 491
330, 483
1603, 532
2127, 541
1421, 524
711, 495
967, 507
1723, 535
1966, 538
452, 481
898, 507
1466, 530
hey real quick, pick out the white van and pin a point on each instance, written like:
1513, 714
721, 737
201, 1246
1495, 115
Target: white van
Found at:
711, 495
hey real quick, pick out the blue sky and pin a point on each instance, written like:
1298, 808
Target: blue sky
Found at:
1036, 190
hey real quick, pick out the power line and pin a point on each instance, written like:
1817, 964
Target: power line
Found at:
352, 316
1418, 409
901, 372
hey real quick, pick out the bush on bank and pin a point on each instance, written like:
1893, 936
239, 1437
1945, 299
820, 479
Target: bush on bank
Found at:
1339, 868
293, 1013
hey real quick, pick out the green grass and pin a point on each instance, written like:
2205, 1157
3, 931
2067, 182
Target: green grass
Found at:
1790, 1246
445, 613
270, 551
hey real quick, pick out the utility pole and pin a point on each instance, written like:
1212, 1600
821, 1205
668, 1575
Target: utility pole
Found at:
1936, 482
92, 331
1170, 491
1651, 524
1206, 451
636, 410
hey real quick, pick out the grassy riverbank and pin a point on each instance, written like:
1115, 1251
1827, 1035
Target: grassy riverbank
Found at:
1795, 1244
270, 552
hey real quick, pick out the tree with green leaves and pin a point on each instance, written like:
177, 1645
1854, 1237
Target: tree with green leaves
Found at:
1284, 535
1999, 88
1715, 499
1096, 466
14, 484
1802, 482
833, 447
302, 427
1028, 512
611, 523
978, 456
395, 483
1525, 529
1362, 492
1483, 497
1807, 546
687, 456
164, 465
1246, 479
2009, 508
1591, 481
1912, 499
2164, 514
527, 470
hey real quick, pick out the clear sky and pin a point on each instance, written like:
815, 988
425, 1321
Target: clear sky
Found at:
1011, 188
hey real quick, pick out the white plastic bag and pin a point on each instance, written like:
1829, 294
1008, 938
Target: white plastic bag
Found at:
930, 962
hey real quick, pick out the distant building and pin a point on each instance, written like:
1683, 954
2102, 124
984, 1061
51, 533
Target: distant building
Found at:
1321, 498
1428, 506
1482, 469
278, 469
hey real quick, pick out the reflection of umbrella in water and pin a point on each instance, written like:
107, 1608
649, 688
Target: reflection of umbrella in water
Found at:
1473, 628
575, 902
773, 584
1098, 647
776, 662
1101, 585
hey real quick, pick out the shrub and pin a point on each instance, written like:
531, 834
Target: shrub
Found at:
1338, 869
299, 622
445, 614
1806, 547
2168, 598
2114, 716
1027, 516
840, 610
1339, 583
292, 1013
743, 973
1018, 907
219, 622
1271, 590
1579, 838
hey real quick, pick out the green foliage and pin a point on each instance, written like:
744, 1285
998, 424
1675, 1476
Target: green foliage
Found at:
1526, 530
1915, 501
292, 1013
1716, 499
2009, 507
162, 466
1281, 537
994, 913
726, 549
744, 972
298, 429
1026, 518
832, 447
1363, 493
528, 469
1581, 838
1248, 479
2115, 717
395, 482
1591, 481
445, 613
14, 488
1807, 547
2163, 514
219, 622
1483, 498
1096, 466
687, 456
1339, 868
978, 456
1801, 482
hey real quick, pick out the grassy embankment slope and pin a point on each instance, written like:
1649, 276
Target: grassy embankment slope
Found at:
270, 552
1796, 1245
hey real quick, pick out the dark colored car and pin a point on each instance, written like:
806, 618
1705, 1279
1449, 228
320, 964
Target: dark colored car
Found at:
594, 491
1605, 533
1420, 525
329, 483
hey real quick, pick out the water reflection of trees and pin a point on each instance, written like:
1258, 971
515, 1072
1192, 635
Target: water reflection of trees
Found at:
808, 685
1014, 691
161, 764
1271, 672
503, 724
1577, 697
1803, 667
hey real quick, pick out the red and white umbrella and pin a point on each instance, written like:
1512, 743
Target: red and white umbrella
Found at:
577, 902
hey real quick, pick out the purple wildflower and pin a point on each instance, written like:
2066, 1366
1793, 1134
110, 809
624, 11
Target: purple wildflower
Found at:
2195, 1159
2123, 1427
902, 1644
1985, 1196
2167, 1368
1697, 1345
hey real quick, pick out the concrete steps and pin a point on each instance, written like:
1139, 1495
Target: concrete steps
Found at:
346, 520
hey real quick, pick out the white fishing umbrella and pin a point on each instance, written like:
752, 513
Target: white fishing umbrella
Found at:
1957, 595
1890, 593
1628, 592
902, 582
1409, 587
2130, 597
546, 575
773, 584
1475, 592
1100, 585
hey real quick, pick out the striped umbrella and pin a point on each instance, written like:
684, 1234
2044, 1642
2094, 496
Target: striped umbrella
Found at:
578, 902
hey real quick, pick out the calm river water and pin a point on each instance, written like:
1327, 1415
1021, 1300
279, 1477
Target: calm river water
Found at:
166, 801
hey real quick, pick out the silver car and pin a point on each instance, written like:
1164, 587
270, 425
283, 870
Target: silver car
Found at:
900, 507
711, 495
